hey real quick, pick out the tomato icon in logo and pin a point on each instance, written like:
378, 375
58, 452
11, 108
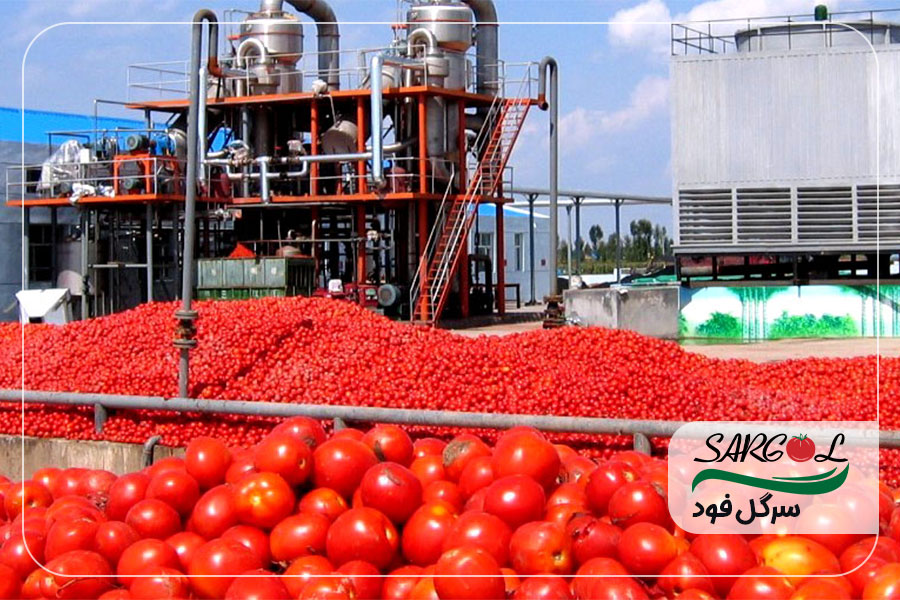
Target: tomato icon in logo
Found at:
800, 448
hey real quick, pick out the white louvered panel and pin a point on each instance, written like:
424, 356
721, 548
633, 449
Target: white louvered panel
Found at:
763, 215
879, 212
824, 214
705, 217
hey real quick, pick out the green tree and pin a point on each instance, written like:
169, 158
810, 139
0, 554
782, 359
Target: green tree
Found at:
598, 249
720, 325
642, 234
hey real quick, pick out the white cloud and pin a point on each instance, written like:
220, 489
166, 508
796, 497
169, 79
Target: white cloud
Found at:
580, 127
626, 30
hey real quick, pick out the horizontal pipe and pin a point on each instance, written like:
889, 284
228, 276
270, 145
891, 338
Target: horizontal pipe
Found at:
368, 414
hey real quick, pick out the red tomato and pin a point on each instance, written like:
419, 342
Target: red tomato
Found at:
568, 493
477, 475
638, 502
399, 583
251, 538
761, 583
23, 552
723, 554
615, 582
207, 460
286, 456
468, 572
603, 482
392, 489
797, 557
457, 454
111, 539
261, 585
124, 493
263, 500
215, 511
861, 568
577, 470
445, 491
362, 534
685, 572
365, 577
303, 570
390, 444
425, 446
216, 564
76, 574
303, 429
299, 535
67, 535
885, 584
340, 464
526, 453
592, 538
144, 554
541, 548
516, 499
543, 587
324, 501
10, 583
243, 462
425, 531
176, 488
483, 530
153, 519
824, 589
160, 582
185, 544
28, 494
645, 548
428, 469
800, 448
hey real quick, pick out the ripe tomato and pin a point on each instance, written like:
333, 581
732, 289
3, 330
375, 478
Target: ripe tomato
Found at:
251, 538
215, 511
111, 539
392, 489
526, 453
798, 557
543, 587
207, 460
69, 534
478, 474
603, 482
124, 493
577, 469
468, 572
299, 535
153, 519
10, 583
365, 577
324, 501
592, 538
429, 445
216, 564
23, 552
516, 499
185, 544
286, 456
645, 548
445, 491
399, 583
885, 584
723, 554
260, 585
761, 583
340, 464
638, 502
615, 582
303, 570
425, 531
160, 582
176, 488
303, 429
76, 574
568, 493
428, 469
860, 567
145, 554
457, 454
483, 530
390, 444
541, 548
362, 534
824, 589
243, 462
263, 500
28, 494
685, 572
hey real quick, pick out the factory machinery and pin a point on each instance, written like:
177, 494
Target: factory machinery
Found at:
353, 174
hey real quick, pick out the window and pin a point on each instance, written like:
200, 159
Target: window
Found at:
519, 250
484, 245
40, 251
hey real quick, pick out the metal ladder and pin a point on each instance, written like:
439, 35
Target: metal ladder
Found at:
493, 145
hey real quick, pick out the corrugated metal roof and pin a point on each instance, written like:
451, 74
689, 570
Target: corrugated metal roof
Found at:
39, 122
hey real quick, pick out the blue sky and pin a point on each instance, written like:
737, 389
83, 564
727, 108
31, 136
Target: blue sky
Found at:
614, 130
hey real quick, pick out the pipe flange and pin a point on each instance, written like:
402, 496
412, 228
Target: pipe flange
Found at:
185, 344
186, 315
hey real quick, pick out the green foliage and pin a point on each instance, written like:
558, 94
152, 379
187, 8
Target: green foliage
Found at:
808, 326
720, 325
684, 330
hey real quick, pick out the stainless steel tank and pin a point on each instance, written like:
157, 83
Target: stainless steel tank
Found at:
804, 35
450, 22
270, 46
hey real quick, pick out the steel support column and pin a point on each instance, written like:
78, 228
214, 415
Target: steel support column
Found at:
423, 147
618, 241
361, 244
85, 240
531, 199
501, 261
148, 233
361, 144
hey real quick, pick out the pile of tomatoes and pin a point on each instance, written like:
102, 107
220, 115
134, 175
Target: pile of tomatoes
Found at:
321, 351
374, 515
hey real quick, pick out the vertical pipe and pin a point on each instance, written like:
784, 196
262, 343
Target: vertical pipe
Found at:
531, 199
201, 115
461, 180
618, 242
314, 147
501, 262
569, 243
149, 250
363, 185
361, 245
245, 137
577, 202
376, 107
464, 281
186, 316
26, 247
54, 263
423, 149
314, 233
422, 217
549, 62
85, 228
173, 240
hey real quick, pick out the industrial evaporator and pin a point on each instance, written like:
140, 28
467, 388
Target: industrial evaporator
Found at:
349, 173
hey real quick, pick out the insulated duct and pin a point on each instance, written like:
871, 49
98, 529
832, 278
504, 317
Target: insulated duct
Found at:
486, 46
327, 34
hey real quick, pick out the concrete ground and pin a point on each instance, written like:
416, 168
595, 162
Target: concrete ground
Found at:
756, 351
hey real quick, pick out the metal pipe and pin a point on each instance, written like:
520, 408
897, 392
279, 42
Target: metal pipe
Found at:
531, 199
327, 35
548, 62
147, 450
149, 250
85, 228
186, 316
264, 193
376, 106
431, 42
618, 243
486, 47
201, 113
367, 414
